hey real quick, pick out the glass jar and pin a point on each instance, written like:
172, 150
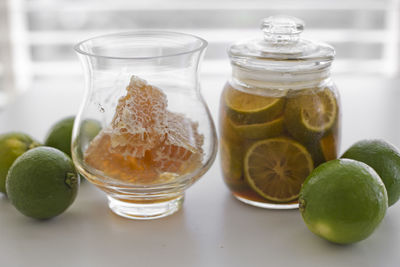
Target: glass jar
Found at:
143, 134
279, 114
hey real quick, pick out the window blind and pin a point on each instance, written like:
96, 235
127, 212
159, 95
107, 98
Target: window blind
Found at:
365, 33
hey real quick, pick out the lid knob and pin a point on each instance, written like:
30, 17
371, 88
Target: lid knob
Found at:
282, 29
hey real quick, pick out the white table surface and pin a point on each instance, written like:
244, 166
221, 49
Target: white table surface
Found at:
213, 228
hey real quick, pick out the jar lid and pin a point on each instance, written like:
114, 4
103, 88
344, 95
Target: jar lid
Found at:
281, 48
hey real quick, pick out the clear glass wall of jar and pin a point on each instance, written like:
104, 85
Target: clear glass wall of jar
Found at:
279, 115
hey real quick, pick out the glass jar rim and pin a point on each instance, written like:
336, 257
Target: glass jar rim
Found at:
141, 33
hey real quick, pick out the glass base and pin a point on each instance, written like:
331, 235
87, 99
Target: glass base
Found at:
275, 206
141, 211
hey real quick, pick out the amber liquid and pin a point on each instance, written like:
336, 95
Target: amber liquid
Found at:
238, 132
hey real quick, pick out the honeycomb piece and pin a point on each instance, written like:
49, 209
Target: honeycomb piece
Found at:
145, 143
181, 147
140, 119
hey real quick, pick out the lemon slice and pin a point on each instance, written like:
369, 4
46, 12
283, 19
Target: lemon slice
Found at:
320, 112
311, 115
244, 108
276, 168
260, 130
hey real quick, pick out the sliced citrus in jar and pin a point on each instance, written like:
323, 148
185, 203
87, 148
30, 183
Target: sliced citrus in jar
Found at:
276, 168
260, 130
244, 108
323, 149
329, 147
231, 161
309, 115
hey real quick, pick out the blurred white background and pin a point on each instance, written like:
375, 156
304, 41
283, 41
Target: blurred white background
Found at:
37, 35
41, 80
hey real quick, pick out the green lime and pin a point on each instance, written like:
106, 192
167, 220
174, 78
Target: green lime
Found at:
12, 145
263, 130
275, 168
60, 135
244, 108
343, 201
384, 158
309, 115
42, 183
89, 129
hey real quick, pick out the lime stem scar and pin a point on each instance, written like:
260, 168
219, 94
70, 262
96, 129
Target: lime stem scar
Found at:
70, 179
302, 205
